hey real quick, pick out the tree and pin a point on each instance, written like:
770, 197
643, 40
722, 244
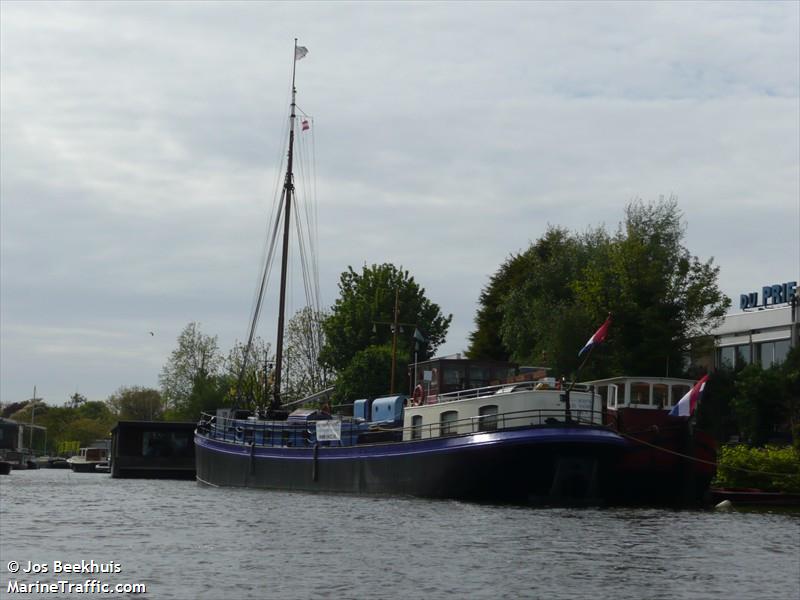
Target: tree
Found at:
554, 295
760, 402
661, 296
367, 375
542, 322
249, 389
362, 314
304, 374
486, 342
136, 404
196, 358
76, 399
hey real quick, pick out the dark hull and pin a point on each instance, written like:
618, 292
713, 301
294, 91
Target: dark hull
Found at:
540, 464
667, 467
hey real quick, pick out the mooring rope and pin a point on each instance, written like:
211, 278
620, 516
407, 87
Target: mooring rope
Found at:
707, 462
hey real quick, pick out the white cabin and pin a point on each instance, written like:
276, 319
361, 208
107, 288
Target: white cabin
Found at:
499, 407
641, 392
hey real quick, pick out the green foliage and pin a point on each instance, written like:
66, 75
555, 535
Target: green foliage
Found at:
791, 373
207, 395
368, 297
303, 372
83, 422
196, 359
246, 387
715, 413
552, 297
542, 322
485, 341
136, 404
86, 430
771, 469
368, 374
759, 403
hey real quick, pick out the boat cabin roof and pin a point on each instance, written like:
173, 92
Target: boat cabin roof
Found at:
641, 392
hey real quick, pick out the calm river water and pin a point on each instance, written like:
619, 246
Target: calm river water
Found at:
184, 540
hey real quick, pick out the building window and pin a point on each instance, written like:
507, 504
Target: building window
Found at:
416, 427
782, 348
447, 423
771, 354
726, 357
743, 356
488, 418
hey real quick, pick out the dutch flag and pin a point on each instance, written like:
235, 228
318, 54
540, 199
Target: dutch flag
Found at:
687, 405
599, 336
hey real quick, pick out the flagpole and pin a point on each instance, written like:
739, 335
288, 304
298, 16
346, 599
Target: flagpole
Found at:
567, 408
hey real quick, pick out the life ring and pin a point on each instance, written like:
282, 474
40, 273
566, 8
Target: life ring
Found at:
416, 397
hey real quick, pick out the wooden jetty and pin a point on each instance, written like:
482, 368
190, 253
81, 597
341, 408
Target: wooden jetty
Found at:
153, 450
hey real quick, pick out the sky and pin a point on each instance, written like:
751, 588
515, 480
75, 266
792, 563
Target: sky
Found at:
140, 144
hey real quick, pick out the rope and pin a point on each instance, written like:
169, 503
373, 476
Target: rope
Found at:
707, 462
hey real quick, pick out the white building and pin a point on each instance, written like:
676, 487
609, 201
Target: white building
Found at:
762, 332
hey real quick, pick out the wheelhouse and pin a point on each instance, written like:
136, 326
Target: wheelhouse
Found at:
641, 392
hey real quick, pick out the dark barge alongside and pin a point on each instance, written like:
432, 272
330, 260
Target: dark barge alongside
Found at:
153, 450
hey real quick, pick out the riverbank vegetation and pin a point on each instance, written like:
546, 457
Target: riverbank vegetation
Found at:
771, 468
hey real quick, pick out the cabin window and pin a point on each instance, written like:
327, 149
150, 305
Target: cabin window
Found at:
678, 392
640, 393
602, 391
416, 427
447, 422
478, 376
488, 418
660, 395
454, 379
613, 396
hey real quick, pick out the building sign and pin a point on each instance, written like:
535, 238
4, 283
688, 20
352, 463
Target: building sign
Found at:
771, 295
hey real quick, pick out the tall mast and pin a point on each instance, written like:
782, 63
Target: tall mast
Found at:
288, 189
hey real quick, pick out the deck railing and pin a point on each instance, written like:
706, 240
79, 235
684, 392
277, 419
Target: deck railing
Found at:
491, 390
283, 433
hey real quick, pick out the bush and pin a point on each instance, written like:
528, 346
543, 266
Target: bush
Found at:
772, 468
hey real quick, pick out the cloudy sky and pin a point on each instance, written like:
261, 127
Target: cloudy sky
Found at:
140, 144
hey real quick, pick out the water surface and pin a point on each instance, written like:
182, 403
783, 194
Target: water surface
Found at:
185, 540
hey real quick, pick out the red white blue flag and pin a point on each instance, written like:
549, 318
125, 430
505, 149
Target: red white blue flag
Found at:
599, 336
687, 405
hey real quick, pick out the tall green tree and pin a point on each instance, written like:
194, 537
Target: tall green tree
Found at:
554, 295
361, 318
543, 324
251, 388
136, 403
486, 341
367, 375
196, 359
661, 296
305, 338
